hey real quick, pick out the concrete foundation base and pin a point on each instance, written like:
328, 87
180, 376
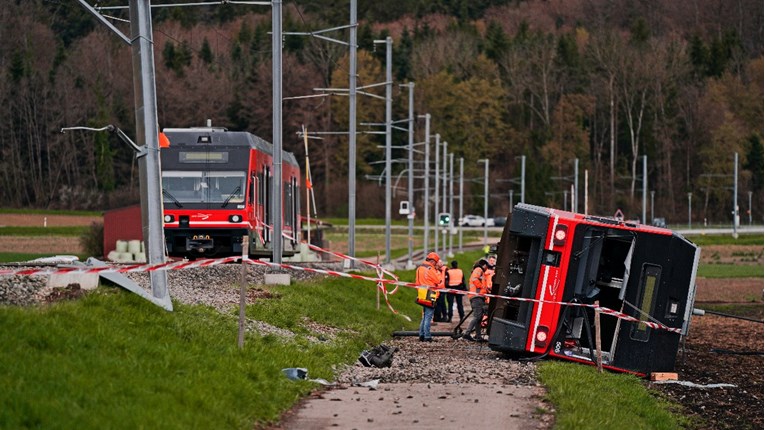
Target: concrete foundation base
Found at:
277, 279
86, 281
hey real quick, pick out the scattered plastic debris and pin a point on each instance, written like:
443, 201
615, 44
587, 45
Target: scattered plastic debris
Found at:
694, 385
371, 384
57, 259
301, 374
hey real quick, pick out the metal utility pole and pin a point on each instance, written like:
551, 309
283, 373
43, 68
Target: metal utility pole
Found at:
410, 236
444, 192
485, 199
565, 200
388, 137
652, 214
645, 184
462, 187
426, 202
510, 197
352, 134
689, 209
586, 193
147, 134
451, 203
575, 195
276, 209
735, 194
750, 208
435, 203
523, 179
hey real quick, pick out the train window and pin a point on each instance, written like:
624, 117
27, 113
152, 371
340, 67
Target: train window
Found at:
296, 207
287, 203
649, 285
225, 187
184, 186
261, 191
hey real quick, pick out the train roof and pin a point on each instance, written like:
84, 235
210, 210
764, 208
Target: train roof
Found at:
610, 222
222, 136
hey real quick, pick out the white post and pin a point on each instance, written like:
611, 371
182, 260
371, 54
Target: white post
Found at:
462, 188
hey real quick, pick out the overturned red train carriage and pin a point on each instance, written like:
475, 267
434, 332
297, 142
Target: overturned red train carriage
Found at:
217, 188
552, 257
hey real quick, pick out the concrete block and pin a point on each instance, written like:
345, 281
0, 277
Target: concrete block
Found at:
277, 279
86, 281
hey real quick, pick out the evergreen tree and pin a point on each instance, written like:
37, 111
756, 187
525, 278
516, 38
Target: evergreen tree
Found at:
205, 52
497, 42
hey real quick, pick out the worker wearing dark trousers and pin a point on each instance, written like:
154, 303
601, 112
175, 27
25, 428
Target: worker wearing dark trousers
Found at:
440, 314
477, 286
455, 280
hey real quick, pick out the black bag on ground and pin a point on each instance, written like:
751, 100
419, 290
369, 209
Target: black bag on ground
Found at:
379, 356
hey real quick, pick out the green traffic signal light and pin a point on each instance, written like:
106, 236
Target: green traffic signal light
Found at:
444, 219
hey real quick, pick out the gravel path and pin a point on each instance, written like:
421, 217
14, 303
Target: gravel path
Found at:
437, 385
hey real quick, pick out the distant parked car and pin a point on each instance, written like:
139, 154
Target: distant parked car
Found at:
659, 222
473, 221
500, 221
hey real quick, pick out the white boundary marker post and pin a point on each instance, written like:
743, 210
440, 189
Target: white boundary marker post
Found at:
599, 356
243, 291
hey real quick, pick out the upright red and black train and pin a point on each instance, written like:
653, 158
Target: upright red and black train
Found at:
217, 188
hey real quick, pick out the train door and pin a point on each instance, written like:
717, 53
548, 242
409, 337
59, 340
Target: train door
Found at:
296, 213
252, 208
287, 207
601, 263
266, 192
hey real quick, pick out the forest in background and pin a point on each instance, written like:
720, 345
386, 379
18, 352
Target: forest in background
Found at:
602, 81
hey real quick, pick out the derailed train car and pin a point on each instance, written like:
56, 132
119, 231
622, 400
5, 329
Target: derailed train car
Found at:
216, 187
547, 257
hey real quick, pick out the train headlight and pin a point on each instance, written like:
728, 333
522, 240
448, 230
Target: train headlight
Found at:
235, 218
541, 336
169, 218
560, 234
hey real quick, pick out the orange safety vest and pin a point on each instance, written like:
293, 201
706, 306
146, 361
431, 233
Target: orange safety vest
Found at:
477, 284
455, 277
428, 278
488, 276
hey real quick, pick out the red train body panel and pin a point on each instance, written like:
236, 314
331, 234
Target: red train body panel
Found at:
555, 256
217, 187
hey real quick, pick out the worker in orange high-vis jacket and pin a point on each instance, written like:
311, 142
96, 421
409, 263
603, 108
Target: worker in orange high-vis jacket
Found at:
455, 280
477, 303
489, 275
429, 275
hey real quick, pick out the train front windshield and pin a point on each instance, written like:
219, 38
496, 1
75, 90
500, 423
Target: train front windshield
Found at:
182, 187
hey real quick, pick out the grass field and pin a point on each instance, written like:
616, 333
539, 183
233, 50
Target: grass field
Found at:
114, 358
43, 231
586, 399
730, 271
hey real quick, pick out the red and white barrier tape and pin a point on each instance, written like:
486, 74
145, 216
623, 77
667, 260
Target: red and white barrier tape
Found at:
376, 266
379, 280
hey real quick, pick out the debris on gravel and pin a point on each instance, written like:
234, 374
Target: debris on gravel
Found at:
444, 361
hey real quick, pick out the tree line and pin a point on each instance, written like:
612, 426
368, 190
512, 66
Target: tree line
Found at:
605, 82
